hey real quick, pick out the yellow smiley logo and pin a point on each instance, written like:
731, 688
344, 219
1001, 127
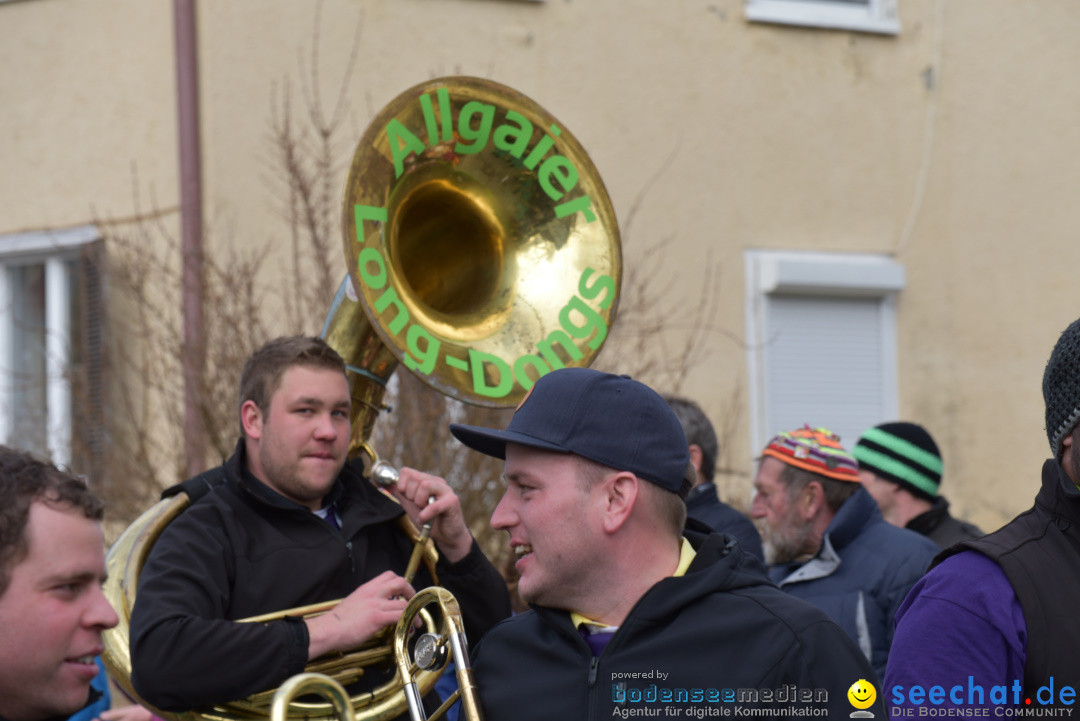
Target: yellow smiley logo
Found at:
862, 694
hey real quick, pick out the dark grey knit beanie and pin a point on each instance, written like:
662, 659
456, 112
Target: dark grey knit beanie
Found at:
1061, 387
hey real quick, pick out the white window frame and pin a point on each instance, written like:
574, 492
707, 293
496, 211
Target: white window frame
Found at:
872, 16
54, 248
853, 275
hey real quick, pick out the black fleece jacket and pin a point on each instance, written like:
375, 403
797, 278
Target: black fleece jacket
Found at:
243, 550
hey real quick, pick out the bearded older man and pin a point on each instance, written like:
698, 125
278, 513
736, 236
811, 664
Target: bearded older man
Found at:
826, 541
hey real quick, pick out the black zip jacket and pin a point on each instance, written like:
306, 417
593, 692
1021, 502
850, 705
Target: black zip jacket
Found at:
243, 550
703, 504
939, 526
720, 633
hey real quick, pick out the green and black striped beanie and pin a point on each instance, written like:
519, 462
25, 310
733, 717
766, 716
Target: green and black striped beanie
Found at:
903, 453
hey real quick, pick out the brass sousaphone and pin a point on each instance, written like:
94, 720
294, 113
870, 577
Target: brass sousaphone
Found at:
482, 253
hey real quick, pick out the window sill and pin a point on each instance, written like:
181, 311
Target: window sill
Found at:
874, 17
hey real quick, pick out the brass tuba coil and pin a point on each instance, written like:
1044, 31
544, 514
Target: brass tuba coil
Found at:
306, 683
482, 253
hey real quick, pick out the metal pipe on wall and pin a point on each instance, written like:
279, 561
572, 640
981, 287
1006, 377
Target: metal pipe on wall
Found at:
193, 357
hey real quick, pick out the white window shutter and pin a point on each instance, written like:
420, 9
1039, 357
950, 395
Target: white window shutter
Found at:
821, 342
823, 365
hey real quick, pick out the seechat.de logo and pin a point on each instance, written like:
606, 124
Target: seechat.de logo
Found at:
1004, 700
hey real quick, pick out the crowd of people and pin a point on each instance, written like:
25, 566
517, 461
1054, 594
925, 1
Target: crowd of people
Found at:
845, 589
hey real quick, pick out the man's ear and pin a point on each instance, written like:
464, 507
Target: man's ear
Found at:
1067, 460
811, 500
696, 456
251, 419
621, 491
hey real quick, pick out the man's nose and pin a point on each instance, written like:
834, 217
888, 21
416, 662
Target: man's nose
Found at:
502, 517
100, 612
327, 426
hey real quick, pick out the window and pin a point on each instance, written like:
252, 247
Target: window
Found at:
873, 16
51, 345
821, 342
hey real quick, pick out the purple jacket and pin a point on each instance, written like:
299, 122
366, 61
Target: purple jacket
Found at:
960, 640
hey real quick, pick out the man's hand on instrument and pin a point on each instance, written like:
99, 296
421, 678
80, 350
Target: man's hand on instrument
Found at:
414, 490
133, 712
360, 615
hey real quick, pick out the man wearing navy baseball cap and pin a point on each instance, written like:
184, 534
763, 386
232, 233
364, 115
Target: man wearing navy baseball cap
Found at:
629, 609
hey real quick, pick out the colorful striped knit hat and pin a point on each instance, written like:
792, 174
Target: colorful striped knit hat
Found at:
817, 450
903, 453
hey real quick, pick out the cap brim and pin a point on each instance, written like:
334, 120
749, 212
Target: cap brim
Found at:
492, 442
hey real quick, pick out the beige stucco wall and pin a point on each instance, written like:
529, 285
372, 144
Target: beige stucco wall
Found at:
86, 103
950, 145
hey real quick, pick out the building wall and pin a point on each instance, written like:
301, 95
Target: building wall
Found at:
948, 146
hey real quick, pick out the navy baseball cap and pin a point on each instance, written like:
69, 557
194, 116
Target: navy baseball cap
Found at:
611, 419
